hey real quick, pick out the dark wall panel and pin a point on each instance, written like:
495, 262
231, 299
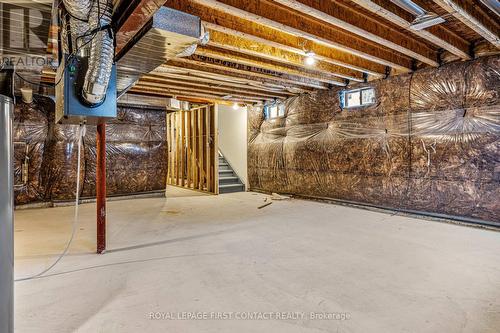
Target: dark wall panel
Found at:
429, 143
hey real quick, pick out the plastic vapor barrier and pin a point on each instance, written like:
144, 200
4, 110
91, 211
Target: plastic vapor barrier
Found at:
46, 153
430, 143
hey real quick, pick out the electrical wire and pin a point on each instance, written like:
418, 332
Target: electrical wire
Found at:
81, 134
89, 32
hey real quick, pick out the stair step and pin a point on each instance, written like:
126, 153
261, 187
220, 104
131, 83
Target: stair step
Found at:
229, 188
230, 185
225, 171
229, 180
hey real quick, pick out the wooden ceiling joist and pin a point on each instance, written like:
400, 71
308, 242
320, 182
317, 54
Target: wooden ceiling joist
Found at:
231, 41
196, 71
232, 56
193, 79
300, 52
214, 19
188, 97
474, 17
208, 86
341, 16
436, 35
254, 73
184, 93
286, 21
177, 88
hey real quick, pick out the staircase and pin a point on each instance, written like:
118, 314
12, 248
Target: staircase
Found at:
228, 180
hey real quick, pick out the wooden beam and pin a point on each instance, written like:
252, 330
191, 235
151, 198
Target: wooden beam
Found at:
235, 67
199, 71
177, 149
208, 139
437, 35
178, 87
192, 98
196, 140
218, 20
210, 97
132, 16
319, 51
188, 148
200, 149
472, 16
253, 73
191, 78
172, 82
339, 15
237, 58
234, 41
275, 17
215, 122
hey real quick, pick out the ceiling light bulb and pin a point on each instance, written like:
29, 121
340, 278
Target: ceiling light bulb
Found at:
310, 60
235, 106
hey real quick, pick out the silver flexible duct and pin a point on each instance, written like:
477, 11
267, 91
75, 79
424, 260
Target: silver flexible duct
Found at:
101, 54
78, 8
79, 13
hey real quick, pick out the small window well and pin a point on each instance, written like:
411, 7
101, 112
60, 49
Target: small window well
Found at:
274, 111
357, 97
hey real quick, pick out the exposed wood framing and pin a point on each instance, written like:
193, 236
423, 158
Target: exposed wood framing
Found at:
192, 158
234, 57
253, 30
234, 41
175, 88
267, 14
170, 82
187, 94
343, 17
255, 71
199, 71
284, 52
437, 35
472, 16
251, 73
220, 83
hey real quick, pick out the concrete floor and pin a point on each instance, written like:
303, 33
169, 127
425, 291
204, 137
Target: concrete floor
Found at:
195, 254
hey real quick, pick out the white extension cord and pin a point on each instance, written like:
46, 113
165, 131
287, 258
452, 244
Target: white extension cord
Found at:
81, 133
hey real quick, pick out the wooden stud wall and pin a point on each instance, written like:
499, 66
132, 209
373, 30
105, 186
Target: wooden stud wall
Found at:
193, 148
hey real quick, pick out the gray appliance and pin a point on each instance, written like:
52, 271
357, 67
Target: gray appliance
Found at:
6, 216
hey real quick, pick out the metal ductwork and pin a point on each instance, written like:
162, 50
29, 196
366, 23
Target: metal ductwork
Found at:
86, 18
423, 18
493, 5
169, 34
409, 6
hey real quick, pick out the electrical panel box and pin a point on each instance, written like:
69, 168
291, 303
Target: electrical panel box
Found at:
70, 106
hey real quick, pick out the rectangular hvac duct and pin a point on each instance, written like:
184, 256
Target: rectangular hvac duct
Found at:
165, 36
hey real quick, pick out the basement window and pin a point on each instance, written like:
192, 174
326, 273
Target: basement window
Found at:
274, 111
357, 98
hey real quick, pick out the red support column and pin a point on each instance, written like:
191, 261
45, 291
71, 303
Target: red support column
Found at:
101, 188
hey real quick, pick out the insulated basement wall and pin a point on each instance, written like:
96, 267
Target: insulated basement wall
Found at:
430, 143
47, 153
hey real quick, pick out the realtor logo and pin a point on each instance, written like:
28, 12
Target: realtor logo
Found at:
23, 29
23, 35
